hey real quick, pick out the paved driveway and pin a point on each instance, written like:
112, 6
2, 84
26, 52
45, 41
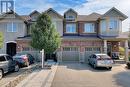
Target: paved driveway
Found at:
83, 75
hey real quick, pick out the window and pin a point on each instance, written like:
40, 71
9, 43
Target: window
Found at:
71, 28
9, 58
113, 23
55, 24
34, 18
70, 49
26, 48
2, 58
89, 27
96, 49
74, 49
70, 17
88, 49
94, 56
12, 27
66, 49
103, 25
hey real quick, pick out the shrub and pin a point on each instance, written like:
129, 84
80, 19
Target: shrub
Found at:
128, 65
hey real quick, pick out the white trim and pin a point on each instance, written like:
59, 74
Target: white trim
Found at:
85, 28
71, 26
72, 51
11, 42
12, 26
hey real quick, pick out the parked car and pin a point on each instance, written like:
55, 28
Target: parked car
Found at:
7, 64
115, 56
100, 60
24, 59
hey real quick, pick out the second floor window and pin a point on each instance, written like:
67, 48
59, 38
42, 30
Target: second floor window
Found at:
89, 28
70, 17
70, 28
11, 27
113, 24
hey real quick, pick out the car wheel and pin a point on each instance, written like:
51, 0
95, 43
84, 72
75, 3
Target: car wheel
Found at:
109, 68
16, 68
1, 74
89, 62
94, 66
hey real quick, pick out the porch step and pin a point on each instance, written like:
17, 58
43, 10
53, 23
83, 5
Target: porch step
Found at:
119, 62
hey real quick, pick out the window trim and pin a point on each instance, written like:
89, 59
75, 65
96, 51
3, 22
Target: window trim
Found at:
71, 49
87, 31
113, 20
70, 17
71, 32
12, 27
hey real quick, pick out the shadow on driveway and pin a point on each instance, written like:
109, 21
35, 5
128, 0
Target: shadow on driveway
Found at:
123, 78
82, 66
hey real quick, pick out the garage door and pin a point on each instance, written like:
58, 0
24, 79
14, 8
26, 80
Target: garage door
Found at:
91, 50
70, 54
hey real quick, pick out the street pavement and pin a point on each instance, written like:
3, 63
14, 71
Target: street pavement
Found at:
83, 75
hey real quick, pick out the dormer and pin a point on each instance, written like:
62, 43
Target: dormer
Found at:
111, 22
70, 15
56, 19
34, 15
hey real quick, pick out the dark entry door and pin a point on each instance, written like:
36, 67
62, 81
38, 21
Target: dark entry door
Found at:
109, 49
11, 49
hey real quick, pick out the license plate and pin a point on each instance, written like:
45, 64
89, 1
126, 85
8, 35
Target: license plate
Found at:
107, 62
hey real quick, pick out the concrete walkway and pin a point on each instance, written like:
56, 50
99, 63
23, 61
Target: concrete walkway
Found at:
39, 78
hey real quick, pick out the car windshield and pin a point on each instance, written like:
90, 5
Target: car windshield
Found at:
103, 56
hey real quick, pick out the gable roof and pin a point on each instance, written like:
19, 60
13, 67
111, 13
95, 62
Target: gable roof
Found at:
11, 12
71, 10
55, 12
26, 17
91, 17
119, 12
35, 11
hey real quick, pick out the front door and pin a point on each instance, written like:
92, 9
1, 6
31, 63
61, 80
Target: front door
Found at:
11, 48
109, 48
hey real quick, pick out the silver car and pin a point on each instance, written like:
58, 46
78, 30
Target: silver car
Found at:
100, 60
7, 64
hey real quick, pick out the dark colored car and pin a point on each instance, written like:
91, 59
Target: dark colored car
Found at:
24, 59
7, 64
115, 56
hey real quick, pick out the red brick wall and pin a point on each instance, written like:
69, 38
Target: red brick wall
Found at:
21, 44
81, 27
82, 43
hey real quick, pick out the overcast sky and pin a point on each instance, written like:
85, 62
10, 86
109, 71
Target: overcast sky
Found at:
84, 7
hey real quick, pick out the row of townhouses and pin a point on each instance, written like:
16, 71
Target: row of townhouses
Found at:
81, 35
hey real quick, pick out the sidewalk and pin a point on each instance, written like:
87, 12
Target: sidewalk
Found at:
39, 78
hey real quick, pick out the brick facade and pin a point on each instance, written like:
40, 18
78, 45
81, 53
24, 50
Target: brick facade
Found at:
82, 44
23, 45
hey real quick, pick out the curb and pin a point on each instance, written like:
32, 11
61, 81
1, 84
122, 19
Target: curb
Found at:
51, 76
19, 78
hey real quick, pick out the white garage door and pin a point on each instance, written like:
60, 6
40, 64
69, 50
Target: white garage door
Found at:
91, 50
70, 54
